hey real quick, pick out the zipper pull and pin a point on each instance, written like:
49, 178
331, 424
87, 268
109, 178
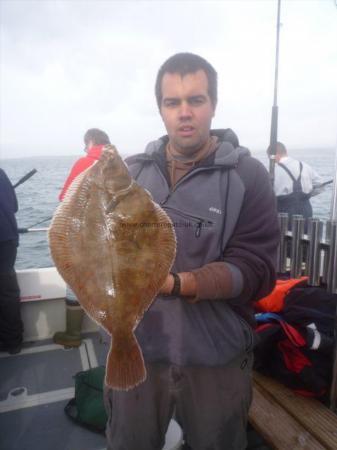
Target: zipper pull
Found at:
164, 201
199, 226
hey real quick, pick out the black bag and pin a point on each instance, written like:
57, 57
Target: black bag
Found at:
87, 407
296, 345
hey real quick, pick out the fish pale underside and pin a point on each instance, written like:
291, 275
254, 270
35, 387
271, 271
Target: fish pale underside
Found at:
114, 246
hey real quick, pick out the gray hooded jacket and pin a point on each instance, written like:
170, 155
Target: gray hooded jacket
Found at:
222, 210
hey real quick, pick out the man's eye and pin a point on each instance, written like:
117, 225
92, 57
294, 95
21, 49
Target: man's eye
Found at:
196, 101
171, 103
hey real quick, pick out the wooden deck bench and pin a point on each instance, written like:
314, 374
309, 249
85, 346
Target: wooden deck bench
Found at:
290, 422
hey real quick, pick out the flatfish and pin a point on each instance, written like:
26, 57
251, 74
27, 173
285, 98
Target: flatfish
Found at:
114, 246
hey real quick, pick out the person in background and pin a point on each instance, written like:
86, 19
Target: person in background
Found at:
295, 182
11, 327
94, 140
197, 336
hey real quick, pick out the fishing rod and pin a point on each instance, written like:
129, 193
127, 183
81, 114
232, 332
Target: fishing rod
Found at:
26, 230
317, 189
333, 220
25, 178
29, 229
274, 114
325, 183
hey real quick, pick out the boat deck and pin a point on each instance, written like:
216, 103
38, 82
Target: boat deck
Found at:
36, 385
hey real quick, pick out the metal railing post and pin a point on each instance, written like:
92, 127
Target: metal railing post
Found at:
332, 264
297, 228
315, 233
282, 250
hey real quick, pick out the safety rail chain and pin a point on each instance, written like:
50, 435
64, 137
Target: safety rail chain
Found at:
312, 254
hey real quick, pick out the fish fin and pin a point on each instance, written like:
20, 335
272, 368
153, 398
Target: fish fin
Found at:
125, 364
168, 244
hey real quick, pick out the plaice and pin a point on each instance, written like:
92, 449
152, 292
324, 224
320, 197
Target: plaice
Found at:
114, 246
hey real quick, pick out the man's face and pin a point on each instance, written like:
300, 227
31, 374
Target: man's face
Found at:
186, 110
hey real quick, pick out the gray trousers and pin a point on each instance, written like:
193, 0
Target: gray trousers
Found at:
210, 403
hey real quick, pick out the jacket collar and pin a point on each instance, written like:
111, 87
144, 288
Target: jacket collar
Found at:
227, 154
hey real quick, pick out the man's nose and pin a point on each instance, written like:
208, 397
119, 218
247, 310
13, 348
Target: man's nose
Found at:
185, 111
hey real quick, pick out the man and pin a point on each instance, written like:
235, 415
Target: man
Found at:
295, 182
11, 327
94, 140
197, 336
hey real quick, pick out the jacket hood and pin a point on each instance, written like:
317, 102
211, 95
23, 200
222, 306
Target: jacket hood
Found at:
95, 151
227, 154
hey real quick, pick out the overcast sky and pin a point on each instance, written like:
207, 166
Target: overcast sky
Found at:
67, 66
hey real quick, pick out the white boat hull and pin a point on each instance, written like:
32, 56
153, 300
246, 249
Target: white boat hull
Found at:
42, 304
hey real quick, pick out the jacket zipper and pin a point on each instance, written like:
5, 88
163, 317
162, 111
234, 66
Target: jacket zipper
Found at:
200, 221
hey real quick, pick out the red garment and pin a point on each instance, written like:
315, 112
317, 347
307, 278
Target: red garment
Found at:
80, 165
275, 300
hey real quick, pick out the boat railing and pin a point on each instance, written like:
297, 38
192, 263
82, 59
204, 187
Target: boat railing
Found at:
309, 248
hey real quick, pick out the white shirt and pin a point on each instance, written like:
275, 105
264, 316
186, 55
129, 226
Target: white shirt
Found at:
283, 184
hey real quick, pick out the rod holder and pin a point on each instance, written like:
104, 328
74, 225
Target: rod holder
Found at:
282, 249
313, 266
332, 260
297, 227
326, 252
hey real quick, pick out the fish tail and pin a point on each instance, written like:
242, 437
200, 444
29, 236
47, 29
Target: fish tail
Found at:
125, 364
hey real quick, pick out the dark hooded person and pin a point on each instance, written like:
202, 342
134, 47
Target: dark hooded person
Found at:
11, 327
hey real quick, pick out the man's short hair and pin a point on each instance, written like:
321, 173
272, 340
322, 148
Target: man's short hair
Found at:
185, 63
98, 137
280, 149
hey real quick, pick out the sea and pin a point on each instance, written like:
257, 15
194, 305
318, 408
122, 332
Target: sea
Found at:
38, 196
